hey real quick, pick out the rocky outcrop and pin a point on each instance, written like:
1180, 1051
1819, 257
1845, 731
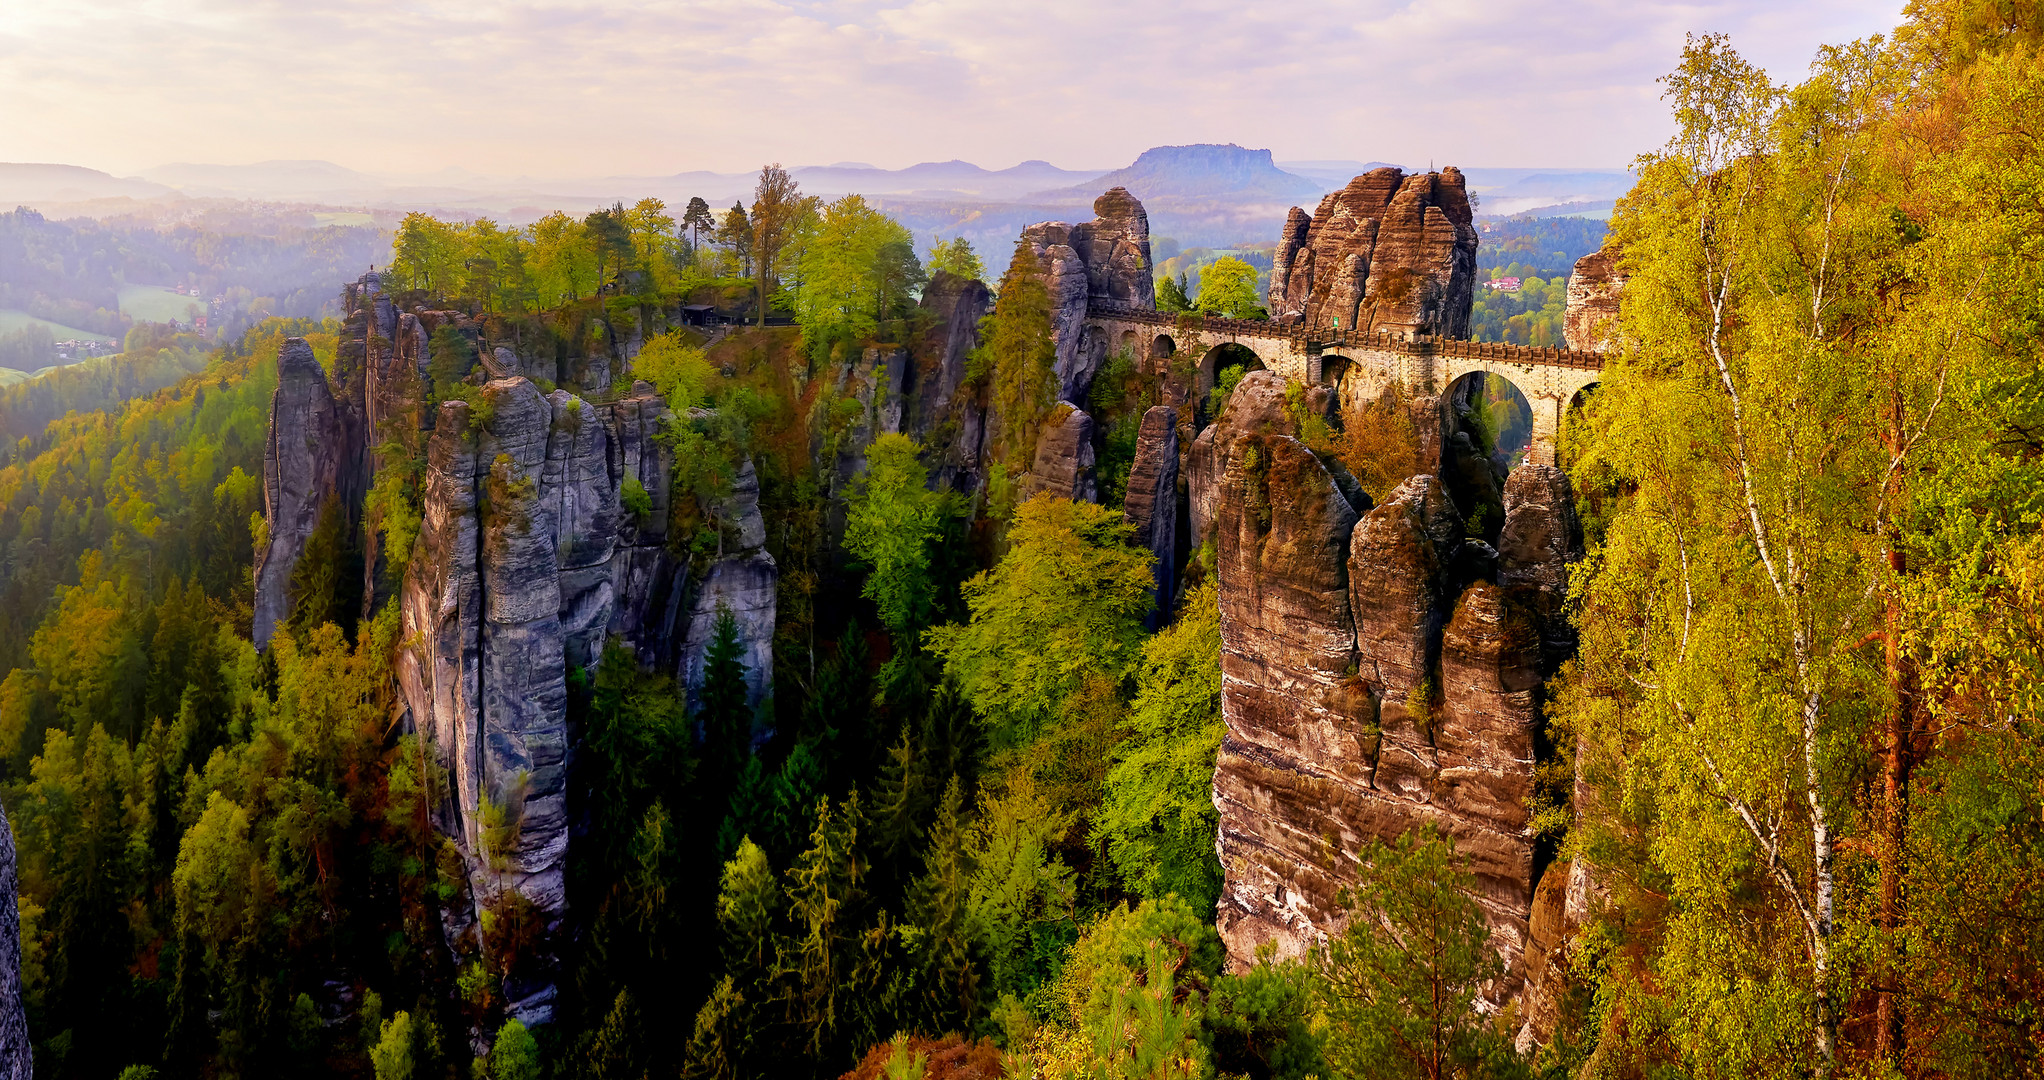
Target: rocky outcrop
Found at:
1257, 404
1590, 319
17, 1057
527, 560
1297, 727
306, 467
1380, 673
1103, 261
1064, 456
1151, 504
1115, 247
1541, 540
950, 424
742, 581
543, 532
1388, 253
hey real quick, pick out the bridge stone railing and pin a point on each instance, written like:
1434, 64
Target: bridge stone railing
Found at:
1321, 338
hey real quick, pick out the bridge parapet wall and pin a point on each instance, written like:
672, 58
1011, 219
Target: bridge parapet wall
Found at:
1550, 378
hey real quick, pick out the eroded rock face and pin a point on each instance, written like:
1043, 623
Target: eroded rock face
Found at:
950, 424
1151, 505
1590, 318
527, 560
1064, 457
1410, 700
1399, 563
1388, 253
17, 1058
304, 462
1115, 246
742, 580
1296, 724
1257, 404
1103, 261
1542, 539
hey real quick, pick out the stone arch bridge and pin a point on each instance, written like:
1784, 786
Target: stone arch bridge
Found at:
1359, 366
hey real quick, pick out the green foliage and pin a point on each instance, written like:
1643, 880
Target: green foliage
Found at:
1171, 295
955, 256
1158, 820
1016, 360
680, 372
1130, 1001
892, 522
515, 1054
1066, 602
1398, 986
1227, 287
856, 271
1530, 316
635, 500
406, 1047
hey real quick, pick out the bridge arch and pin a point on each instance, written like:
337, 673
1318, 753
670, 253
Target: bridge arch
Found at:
1163, 347
1213, 372
1549, 389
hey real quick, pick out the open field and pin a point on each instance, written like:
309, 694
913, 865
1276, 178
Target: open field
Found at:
342, 217
12, 320
156, 303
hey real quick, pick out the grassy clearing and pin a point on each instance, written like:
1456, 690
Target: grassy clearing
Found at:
9, 376
346, 218
12, 320
156, 303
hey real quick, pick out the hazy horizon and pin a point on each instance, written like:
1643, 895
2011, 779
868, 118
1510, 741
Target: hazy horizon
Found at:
545, 91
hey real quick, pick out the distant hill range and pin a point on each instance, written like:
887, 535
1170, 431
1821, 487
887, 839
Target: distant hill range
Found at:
1205, 193
32, 184
1203, 171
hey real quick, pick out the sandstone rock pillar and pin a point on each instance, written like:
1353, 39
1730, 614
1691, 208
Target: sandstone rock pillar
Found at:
1151, 505
302, 463
17, 1058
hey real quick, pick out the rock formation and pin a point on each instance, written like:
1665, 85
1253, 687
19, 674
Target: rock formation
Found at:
1380, 672
1115, 246
527, 559
17, 1057
1151, 505
1542, 538
1105, 261
1064, 456
1591, 315
950, 425
1388, 253
306, 464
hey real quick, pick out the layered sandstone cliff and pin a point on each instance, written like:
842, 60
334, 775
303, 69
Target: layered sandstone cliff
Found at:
1389, 253
1590, 319
17, 1057
308, 462
527, 560
1099, 263
1381, 672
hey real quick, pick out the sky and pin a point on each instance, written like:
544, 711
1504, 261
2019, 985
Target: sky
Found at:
544, 89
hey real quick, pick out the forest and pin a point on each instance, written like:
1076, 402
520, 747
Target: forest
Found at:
71, 272
1796, 760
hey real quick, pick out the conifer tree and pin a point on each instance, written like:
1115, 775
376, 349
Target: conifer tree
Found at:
724, 717
937, 905
827, 902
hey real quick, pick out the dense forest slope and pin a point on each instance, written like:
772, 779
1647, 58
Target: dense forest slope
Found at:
530, 673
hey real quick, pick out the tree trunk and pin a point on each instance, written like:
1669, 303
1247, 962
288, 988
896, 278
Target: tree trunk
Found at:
1894, 781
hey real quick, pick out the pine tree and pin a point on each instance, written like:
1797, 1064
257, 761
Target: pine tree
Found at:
724, 717
826, 900
618, 1052
937, 905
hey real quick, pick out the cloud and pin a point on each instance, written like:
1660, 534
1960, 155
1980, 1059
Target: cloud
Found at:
554, 88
